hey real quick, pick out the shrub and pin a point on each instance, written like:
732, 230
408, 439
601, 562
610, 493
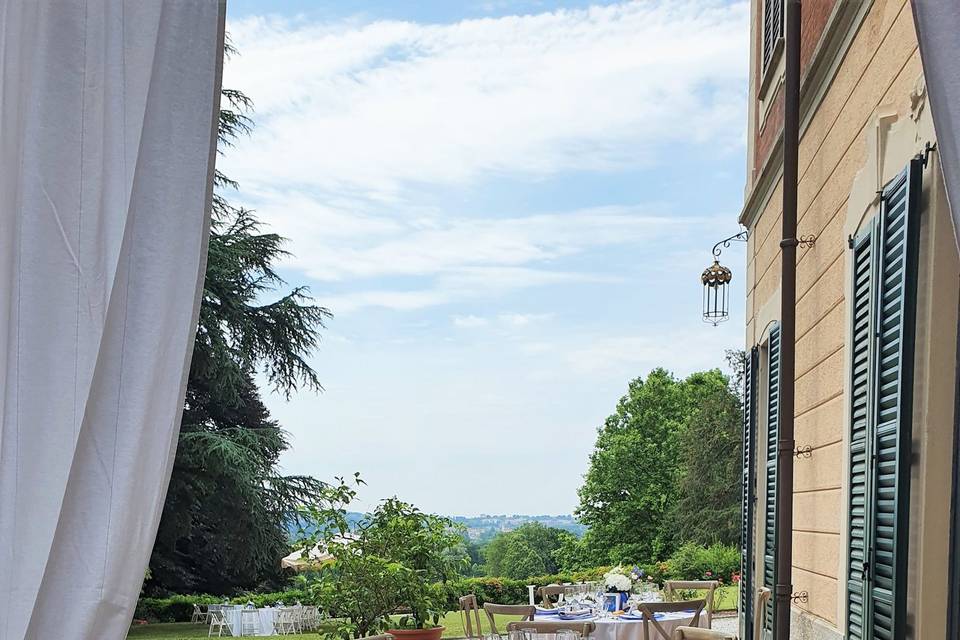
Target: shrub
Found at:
693, 562
179, 608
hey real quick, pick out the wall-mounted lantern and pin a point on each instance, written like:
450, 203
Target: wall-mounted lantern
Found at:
716, 284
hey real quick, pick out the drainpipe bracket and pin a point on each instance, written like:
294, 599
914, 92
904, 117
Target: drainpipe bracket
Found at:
786, 446
783, 591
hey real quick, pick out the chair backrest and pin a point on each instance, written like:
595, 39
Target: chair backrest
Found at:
547, 593
651, 609
470, 615
217, 618
763, 594
551, 627
710, 586
526, 611
696, 633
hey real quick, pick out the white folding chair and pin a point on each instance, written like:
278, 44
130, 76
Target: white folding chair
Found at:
198, 615
219, 622
249, 622
286, 621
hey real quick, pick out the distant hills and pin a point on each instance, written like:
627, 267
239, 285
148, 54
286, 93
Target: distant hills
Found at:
483, 527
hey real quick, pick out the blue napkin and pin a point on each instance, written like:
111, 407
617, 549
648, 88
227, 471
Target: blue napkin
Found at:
547, 612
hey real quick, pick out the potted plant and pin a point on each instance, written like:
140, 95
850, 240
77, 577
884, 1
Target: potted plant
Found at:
386, 573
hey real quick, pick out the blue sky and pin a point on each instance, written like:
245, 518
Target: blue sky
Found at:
507, 206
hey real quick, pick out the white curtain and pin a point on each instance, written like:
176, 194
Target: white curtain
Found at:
938, 30
107, 134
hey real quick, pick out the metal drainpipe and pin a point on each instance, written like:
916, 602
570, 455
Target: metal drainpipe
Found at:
788, 302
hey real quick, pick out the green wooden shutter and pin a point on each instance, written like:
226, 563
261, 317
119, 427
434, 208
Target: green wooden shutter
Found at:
883, 323
771, 477
747, 493
893, 400
861, 352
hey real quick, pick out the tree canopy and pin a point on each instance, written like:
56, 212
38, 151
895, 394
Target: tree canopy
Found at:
529, 550
652, 457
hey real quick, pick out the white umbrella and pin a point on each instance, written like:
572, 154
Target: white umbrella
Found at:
316, 556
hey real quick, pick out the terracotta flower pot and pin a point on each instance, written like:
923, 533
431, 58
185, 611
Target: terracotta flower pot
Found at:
434, 633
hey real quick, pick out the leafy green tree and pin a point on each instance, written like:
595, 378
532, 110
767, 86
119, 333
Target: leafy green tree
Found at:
529, 550
707, 509
225, 519
634, 479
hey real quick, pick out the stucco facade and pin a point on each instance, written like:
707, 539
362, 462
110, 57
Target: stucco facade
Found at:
863, 117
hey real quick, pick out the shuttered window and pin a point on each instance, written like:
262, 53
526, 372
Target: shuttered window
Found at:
748, 497
772, 29
771, 477
883, 311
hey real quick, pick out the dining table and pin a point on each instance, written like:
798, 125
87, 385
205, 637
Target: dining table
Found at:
628, 626
265, 619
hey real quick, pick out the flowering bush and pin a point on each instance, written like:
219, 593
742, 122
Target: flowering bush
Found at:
617, 580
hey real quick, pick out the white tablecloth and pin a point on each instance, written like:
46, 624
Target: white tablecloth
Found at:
619, 629
265, 619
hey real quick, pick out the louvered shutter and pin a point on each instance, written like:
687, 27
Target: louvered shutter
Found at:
882, 406
772, 28
748, 496
893, 402
861, 350
771, 477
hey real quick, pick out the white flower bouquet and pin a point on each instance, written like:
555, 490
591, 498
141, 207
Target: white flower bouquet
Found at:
617, 580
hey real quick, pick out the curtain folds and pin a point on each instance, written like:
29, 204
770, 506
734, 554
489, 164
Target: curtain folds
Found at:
938, 24
107, 139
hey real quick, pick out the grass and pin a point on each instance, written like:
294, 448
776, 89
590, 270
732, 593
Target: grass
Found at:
186, 631
726, 600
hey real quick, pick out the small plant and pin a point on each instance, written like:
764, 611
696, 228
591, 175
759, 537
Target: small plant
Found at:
388, 572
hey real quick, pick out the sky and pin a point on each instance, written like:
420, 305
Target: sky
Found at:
507, 206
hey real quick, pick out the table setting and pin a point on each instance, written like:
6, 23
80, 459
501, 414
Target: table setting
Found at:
612, 605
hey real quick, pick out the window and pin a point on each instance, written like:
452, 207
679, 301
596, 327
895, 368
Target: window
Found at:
772, 30
882, 324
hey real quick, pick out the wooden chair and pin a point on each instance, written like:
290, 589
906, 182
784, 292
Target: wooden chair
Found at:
710, 586
650, 609
547, 592
763, 595
526, 611
583, 628
468, 607
696, 633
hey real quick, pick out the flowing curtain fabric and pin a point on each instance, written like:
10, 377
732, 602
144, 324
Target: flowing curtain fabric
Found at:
107, 133
938, 30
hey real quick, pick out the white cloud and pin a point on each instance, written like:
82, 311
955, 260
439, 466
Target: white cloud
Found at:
377, 107
469, 322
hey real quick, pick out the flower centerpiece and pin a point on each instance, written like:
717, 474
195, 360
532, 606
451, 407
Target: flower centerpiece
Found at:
619, 584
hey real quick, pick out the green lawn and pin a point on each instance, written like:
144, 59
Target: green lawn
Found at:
726, 600
187, 631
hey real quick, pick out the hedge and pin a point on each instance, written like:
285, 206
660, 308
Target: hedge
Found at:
689, 562
179, 608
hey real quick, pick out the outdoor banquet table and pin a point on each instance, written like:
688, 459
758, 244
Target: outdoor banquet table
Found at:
630, 628
265, 619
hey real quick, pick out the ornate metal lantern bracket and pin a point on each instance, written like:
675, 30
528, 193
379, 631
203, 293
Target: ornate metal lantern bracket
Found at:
743, 236
716, 282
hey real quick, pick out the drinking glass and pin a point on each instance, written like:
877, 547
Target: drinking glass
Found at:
567, 634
